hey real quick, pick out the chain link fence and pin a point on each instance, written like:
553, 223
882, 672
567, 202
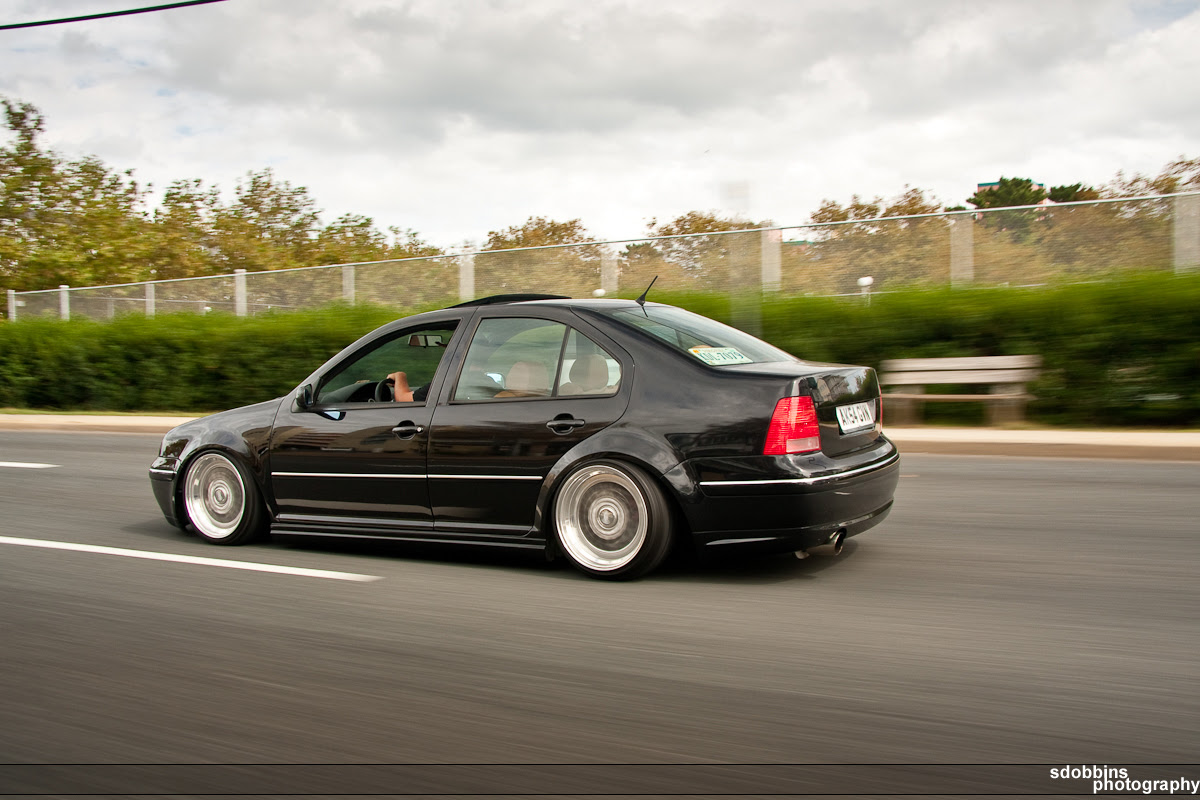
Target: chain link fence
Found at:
1014, 246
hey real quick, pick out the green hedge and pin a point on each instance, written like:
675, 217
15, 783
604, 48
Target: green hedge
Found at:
1123, 352
176, 362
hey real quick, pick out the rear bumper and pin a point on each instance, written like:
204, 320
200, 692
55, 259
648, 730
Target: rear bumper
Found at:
797, 512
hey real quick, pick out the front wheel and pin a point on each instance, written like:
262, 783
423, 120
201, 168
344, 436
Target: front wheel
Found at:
612, 520
222, 502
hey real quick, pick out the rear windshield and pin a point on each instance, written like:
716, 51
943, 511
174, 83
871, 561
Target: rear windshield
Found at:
704, 339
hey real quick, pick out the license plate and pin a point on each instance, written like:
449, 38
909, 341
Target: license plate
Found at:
856, 417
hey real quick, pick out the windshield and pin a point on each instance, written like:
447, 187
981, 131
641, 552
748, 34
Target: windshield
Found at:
702, 338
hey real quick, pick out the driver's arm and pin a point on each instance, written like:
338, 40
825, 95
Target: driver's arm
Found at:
400, 391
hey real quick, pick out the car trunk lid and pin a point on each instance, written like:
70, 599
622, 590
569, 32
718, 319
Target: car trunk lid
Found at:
846, 400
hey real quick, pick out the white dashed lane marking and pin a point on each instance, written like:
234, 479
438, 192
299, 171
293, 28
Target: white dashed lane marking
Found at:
179, 559
26, 465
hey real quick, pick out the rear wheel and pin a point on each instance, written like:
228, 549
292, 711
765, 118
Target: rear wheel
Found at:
612, 520
222, 501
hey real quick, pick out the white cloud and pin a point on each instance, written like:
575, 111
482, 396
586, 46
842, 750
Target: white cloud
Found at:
455, 118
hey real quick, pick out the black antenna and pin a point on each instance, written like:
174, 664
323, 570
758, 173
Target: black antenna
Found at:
641, 301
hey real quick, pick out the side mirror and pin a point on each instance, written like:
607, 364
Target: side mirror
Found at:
304, 398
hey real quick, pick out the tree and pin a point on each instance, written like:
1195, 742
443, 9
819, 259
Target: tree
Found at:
910, 202
719, 261
270, 225
354, 239
80, 222
185, 240
104, 229
863, 238
832, 212
28, 176
701, 222
1180, 175
565, 270
61, 221
1008, 192
538, 232
407, 243
1074, 193
351, 238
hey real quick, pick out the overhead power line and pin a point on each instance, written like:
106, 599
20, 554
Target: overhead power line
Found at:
126, 13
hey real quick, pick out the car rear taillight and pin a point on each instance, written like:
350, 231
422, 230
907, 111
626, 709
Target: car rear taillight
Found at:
794, 428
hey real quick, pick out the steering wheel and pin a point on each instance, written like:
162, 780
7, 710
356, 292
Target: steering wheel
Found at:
383, 391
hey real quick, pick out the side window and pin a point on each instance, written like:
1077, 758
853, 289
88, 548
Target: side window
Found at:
511, 357
397, 369
534, 358
587, 369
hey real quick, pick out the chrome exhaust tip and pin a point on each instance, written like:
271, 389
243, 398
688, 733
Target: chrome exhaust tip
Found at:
831, 548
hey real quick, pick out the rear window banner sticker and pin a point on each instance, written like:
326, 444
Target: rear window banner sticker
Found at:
717, 356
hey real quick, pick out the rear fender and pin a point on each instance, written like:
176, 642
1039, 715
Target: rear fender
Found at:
655, 456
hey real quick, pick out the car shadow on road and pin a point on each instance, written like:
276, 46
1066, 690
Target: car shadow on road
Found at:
682, 566
413, 551
752, 569
157, 530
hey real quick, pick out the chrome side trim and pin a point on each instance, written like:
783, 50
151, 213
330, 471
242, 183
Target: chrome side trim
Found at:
491, 477
155, 471
346, 475
404, 476
810, 481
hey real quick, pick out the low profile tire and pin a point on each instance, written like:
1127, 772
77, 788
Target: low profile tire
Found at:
612, 520
222, 501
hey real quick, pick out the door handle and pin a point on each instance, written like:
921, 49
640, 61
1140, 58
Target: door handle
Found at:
565, 425
407, 430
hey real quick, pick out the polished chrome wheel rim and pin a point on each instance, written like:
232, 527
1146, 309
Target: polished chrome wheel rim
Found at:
602, 518
215, 496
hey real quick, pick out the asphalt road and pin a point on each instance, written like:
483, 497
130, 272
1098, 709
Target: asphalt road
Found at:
1011, 610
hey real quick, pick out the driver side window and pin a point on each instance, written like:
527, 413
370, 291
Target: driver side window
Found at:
380, 373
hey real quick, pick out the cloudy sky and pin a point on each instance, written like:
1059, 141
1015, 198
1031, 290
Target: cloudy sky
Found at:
455, 118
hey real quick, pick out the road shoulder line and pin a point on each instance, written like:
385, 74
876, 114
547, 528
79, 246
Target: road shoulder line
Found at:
182, 559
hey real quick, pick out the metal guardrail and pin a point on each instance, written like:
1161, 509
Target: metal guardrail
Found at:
1021, 245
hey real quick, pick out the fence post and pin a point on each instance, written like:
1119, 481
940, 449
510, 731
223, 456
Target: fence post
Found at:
149, 299
744, 280
609, 272
1186, 218
348, 283
962, 249
239, 292
466, 277
772, 260
64, 301
12, 305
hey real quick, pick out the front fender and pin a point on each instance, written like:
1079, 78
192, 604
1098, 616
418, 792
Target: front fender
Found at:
243, 434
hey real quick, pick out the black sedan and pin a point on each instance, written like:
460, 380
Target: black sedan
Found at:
603, 430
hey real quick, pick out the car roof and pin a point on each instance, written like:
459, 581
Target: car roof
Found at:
499, 299
545, 299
